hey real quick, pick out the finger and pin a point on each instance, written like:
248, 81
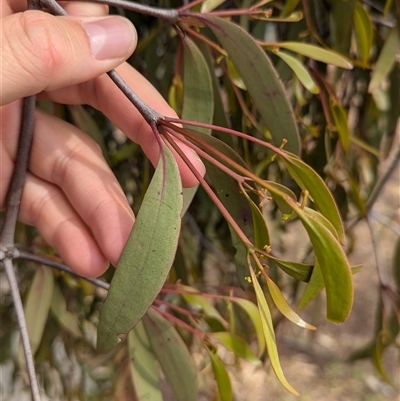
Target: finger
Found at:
102, 94
65, 156
45, 207
43, 52
87, 9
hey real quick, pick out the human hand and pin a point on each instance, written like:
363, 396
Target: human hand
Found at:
70, 193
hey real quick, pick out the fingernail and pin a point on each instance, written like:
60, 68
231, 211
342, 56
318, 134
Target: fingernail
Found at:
111, 38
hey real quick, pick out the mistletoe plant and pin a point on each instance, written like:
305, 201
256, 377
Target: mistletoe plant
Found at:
153, 315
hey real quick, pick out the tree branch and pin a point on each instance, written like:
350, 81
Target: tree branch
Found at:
19, 309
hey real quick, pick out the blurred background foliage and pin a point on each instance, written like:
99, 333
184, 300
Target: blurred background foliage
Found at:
349, 128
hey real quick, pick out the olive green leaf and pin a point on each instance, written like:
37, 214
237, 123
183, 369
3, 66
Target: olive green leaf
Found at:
364, 32
37, 305
284, 307
173, 356
252, 311
261, 80
147, 256
269, 333
197, 301
65, 318
385, 62
340, 117
299, 271
308, 179
143, 365
334, 266
317, 53
221, 377
237, 345
198, 97
301, 72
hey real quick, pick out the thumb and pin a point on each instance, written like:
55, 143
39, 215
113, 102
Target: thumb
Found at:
43, 52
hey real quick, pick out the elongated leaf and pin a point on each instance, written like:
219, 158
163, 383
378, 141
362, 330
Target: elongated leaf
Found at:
317, 53
37, 305
340, 117
173, 355
252, 310
147, 256
143, 365
316, 285
196, 300
341, 19
210, 5
228, 192
261, 234
385, 61
334, 267
364, 32
64, 317
308, 179
269, 334
221, 377
301, 72
299, 271
283, 206
261, 81
284, 307
237, 345
198, 97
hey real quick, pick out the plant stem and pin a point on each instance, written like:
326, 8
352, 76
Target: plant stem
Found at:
167, 14
19, 309
150, 115
59, 266
21, 166
246, 242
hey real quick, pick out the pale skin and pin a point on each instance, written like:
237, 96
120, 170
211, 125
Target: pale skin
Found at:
70, 194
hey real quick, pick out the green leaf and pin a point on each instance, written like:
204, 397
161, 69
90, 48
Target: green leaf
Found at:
261, 80
37, 305
299, 271
284, 307
173, 355
334, 267
210, 5
198, 97
228, 191
221, 377
340, 117
308, 179
269, 333
237, 345
196, 300
364, 32
66, 319
251, 309
301, 72
316, 285
341, 18
283, 206
261, 235
385, 62
147, 256
317, 53
143, 365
